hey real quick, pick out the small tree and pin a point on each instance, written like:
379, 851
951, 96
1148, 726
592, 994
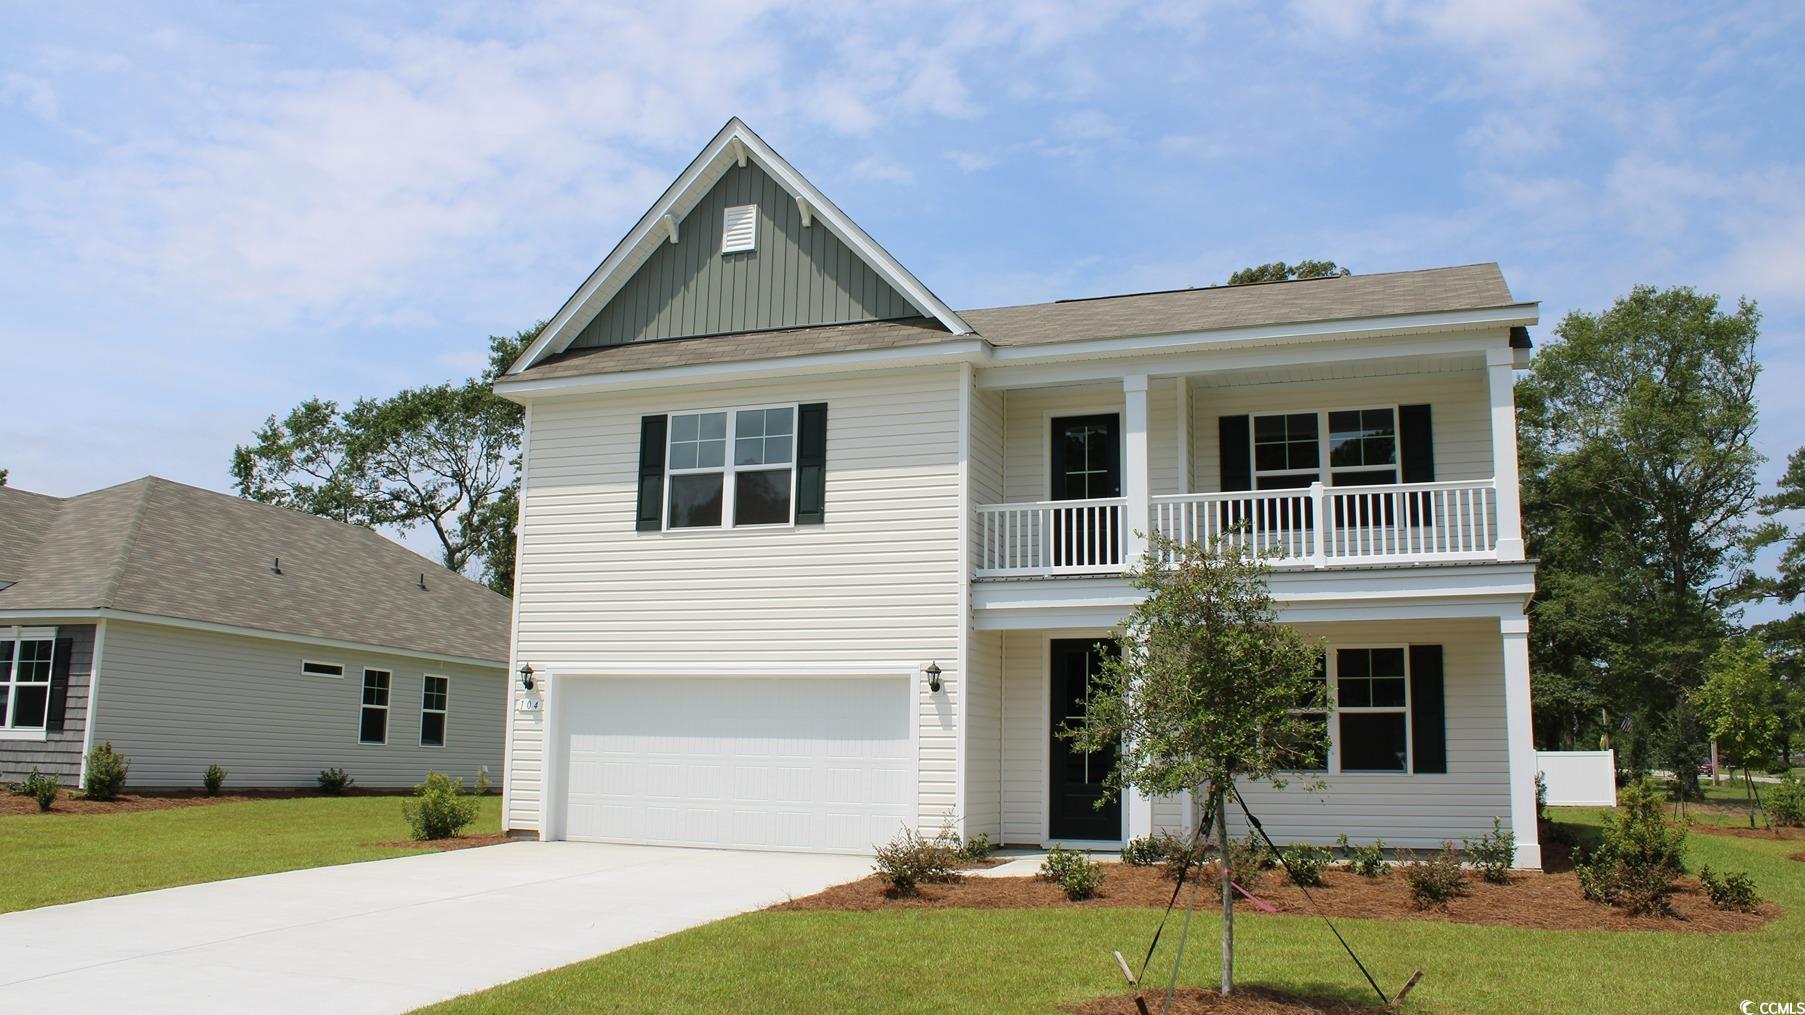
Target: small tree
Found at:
1737, 706
1209, 689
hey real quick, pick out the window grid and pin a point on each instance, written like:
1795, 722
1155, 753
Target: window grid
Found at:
373, 717
1362, 445
25, 664
435, 693
1371, 681
760, 474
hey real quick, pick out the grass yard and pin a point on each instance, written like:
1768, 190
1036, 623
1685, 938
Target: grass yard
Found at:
55, 858
1037, 960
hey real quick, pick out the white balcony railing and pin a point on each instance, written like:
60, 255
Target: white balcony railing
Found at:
1051, 537
1314, 527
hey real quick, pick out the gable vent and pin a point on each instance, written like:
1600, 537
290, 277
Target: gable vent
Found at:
739, 228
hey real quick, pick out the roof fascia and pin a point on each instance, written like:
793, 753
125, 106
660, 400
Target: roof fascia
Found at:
731, 144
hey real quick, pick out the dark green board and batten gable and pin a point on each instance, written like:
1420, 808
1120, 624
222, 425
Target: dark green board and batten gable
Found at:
797, 276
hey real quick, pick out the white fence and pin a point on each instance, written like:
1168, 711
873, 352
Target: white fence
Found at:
1579, 778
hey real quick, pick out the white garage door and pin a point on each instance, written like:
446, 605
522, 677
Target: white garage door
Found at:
752, 762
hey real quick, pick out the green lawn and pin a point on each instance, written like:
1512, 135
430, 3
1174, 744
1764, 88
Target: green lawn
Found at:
1038, 960
54, 858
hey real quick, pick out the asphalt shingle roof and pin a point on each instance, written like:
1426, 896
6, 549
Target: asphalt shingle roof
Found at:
1345, 297
170, 550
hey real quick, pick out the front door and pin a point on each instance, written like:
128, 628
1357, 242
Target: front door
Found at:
1077, 778
1086, 464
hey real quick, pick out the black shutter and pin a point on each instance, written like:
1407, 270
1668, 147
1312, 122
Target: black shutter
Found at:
1235, 452
651, 473
811, 463
1417, 443
1428, 714
60, 658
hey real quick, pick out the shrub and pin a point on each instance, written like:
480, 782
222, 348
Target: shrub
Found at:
1437, 880
1735, 890
1076, 873
1638, 857
441, 807
1304, 864
334, 781
1493, 853
1786, 802
40, 787
107, 769
976, 849
1146, 850
1541, 797
1249, 859
1366, 861
911, 858
214, 779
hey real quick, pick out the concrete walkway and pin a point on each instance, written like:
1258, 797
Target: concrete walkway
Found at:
384, 936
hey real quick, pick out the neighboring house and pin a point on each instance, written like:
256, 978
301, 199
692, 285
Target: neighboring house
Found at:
805, 555
191, 628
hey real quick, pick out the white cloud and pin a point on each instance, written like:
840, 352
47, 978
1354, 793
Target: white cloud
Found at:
971, 162
874, 168
32, 94
1513, 136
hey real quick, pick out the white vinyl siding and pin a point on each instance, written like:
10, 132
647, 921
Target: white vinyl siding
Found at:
1028, 433
875, 587
176, 700
52, 752
1458, 410
1414, 811
984, 737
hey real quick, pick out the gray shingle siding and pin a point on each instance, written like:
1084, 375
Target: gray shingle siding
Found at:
798, 276
58, 754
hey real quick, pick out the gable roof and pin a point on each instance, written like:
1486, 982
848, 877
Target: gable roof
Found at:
1182, 311
165, 549
734, 144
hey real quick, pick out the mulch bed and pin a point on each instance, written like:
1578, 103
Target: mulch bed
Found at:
71, 803
1543, 901
1799, 857
458, 842
1249, 1000
1745, 832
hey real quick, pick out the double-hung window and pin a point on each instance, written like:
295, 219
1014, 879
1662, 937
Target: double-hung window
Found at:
1372, 703
373, 718
1362, 448
434, 694
732, 468
1312, 710
25, 656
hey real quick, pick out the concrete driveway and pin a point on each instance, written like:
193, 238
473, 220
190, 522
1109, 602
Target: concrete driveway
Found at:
384, 936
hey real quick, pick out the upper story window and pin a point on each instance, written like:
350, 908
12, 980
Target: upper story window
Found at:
25, 657
755, 485
1362, 449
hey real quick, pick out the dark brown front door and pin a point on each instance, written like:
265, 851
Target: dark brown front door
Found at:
1076, 777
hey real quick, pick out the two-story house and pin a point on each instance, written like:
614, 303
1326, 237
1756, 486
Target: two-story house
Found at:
806, 555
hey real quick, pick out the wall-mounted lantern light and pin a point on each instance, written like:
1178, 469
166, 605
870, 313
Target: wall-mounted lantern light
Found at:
526, 676
933, 672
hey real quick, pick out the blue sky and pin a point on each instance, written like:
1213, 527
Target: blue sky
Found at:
210, 212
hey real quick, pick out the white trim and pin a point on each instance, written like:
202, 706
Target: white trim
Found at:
732, 144
670, 225
93, 712
248, 632
444, 713
961, 710
510, 686
388, 696
1334, 650
305, 662
727, 469
29, 733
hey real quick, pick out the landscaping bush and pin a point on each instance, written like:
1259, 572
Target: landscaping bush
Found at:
334, 781
1248, 859
441, 807
1437, 880
40, 787
107, 769
1639, 856
911, 858
1366, 861
975, 849
1786, 802
1735, 890
1304, 864
1076, 873
1541, 797
214, 779
1146, 850
1492, 853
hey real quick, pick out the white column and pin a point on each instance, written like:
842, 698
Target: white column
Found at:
1520, 739
1137, 487
1501, 382
1137, 490
1183, 443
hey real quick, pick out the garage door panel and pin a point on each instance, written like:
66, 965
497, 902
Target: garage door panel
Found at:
806, 763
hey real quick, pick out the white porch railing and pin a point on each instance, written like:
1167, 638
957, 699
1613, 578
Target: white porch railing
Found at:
1051, 537
1314, 527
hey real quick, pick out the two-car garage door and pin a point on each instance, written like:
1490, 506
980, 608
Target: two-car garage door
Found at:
750, 762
